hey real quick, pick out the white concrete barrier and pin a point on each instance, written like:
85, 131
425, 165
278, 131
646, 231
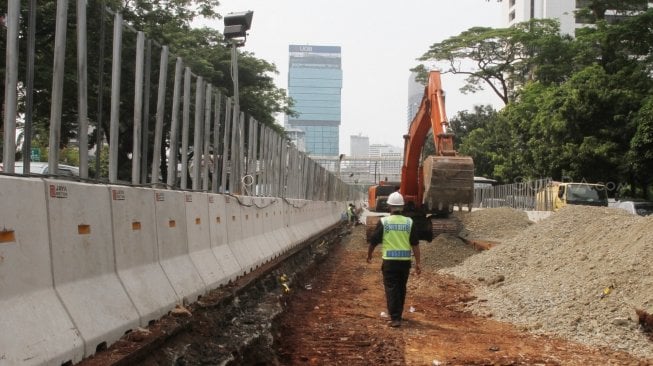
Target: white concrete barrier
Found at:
273, 232
248, 255
199, 240
252, 235
289, 223
35, 328
298, 219
83, 263
275, 224
173, 245
265, 239
218, 232
137, 258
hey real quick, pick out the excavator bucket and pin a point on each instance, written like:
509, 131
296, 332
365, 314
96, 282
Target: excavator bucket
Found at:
448, 181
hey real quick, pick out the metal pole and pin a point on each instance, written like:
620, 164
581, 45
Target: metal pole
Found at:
255, 158
115, 98
99, 138
234, 73
265, 161
174, 128
57, 89
207, 138
241, 150
233, 174
226, 151
146, 112
82, 87
138, 107
184, 129
216, 143
197, 140
29, 92
13, 18
160, 110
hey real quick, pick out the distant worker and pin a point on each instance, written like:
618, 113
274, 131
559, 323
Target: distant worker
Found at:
398, 239
351, 214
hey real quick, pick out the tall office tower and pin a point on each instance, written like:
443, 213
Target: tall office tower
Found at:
516, 11
315, 84
415, 94
359, 146
297, 137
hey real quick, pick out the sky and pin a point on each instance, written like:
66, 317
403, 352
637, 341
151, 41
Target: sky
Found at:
380, 42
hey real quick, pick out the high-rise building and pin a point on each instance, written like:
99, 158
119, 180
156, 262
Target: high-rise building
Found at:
380, 150
297, 137
415, 95
315, 83
516, 11
359, 146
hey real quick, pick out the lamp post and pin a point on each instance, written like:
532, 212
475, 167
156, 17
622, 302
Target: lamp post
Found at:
236, 26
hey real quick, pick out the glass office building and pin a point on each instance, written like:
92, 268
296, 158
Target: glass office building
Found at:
315, 83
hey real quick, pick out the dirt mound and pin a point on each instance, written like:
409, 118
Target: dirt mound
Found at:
580, 274
444, 251
495, 224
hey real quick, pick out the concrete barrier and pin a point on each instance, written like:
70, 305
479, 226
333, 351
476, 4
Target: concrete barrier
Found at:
36, 328
273, 232
199, 240
298, 213
83, 263
275, 224
173, 245
288, 215
265, 239
218, 234
247, 253
137, 258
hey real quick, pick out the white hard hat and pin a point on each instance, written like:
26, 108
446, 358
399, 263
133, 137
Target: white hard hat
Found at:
395, 199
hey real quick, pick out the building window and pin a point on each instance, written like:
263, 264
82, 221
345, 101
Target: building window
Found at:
511, 17
512, 3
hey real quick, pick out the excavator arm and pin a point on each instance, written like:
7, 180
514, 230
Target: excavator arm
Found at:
432, 186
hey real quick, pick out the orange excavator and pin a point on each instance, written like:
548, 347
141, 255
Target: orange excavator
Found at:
434, 185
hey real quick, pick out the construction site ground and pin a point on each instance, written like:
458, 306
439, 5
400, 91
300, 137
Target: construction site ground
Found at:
338, 318
560, 292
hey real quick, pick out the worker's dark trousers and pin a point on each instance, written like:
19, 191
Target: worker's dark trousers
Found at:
395, 277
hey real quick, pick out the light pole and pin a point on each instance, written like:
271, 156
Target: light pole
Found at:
236, 26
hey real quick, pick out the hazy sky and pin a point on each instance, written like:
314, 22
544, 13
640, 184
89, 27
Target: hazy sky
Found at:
380, 42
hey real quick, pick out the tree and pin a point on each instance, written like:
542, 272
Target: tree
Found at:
166, 23
641, 153
464, 122
595, 10
502, 59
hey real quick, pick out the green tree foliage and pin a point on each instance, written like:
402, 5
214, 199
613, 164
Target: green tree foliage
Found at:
167, 23
502, 59
583, 112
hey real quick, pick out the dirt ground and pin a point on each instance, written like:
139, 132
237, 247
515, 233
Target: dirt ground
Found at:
336, 319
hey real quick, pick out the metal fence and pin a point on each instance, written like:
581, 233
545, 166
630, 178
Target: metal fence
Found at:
529, 195
229, 152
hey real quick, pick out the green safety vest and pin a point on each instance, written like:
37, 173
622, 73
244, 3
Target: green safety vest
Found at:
350, 213
396, 234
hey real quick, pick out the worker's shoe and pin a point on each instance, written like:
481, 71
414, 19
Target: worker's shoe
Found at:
395, 323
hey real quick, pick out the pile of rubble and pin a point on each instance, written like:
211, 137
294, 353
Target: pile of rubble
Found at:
580, 274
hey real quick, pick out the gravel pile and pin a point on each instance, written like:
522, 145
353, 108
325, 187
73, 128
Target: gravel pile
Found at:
494, 224
444, 251
579, 274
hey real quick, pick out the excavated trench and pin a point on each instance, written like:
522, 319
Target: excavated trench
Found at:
232, 325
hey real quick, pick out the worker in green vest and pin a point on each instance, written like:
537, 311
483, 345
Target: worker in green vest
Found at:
398, 241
